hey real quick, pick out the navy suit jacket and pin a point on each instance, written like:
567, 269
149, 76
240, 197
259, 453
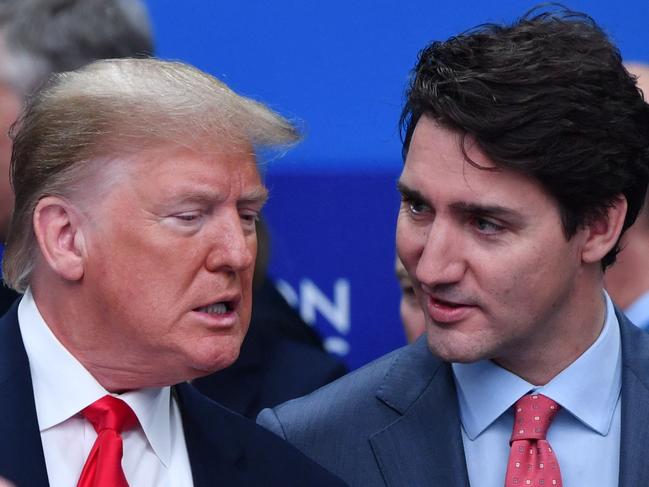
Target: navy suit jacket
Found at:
224, 448
281, 358
396, 420
269, 371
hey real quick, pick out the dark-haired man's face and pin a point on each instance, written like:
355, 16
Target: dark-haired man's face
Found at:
486, 250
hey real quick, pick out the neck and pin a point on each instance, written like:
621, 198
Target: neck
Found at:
558, 344
93, 345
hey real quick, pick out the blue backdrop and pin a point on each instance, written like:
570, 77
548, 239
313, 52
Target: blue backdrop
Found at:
339, 68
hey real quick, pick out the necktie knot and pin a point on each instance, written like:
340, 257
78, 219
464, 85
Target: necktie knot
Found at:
109, 416
533, 415
110, 413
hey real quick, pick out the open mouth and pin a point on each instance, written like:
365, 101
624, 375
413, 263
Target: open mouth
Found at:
442, 311
446, 304
219, 308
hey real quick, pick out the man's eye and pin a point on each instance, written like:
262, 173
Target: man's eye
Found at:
416, 207
187, 217
253, 217
408, 291
249, 218
487, 226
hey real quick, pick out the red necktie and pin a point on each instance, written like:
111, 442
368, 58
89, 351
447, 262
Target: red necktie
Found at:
103, 468
531, 459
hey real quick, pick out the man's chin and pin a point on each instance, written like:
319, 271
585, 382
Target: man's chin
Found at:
462, 355
203, 366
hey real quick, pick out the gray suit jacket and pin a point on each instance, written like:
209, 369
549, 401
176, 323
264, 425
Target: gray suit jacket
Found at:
395, 421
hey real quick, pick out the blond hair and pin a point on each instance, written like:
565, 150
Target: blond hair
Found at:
112, 109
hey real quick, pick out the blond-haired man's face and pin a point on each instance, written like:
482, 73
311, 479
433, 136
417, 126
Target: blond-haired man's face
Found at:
170, 261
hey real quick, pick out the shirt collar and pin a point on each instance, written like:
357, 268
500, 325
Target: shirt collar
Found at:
638, 312
62, 391
588, 388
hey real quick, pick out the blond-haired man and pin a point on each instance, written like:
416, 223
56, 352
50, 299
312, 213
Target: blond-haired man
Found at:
133, 239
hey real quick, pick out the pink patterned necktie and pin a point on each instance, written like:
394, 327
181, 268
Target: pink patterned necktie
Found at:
103, 468
531, 459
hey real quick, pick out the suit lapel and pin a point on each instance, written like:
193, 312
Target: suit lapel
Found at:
634, 469
423, 446
215, 451
21, 451
238, 386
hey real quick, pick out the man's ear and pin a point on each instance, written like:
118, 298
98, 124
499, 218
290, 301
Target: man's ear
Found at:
604, 230
57, 225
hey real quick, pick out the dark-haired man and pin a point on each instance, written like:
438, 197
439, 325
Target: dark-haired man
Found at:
526, 157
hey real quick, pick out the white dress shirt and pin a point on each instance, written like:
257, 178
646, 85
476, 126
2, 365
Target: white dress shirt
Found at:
154, 454
585, 434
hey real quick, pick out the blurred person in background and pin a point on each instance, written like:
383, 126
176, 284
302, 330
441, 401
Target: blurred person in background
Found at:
628, 280
412, 316
40, 37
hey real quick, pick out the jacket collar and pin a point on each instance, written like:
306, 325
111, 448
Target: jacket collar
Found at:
425, 442
634, 469
21, 451
423, 446
214, 445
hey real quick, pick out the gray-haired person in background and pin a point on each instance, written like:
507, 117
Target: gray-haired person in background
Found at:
133, 238
40, 37
412, 316
628, 279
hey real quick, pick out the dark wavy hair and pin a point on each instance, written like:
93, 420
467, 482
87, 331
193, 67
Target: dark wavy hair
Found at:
546, 96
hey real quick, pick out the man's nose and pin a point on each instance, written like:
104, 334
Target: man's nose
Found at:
442, 260
232, 246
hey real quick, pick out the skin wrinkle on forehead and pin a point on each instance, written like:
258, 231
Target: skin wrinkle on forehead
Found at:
103, 172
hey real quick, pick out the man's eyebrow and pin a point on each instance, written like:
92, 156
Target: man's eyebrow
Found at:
197, 195
257, 196
409, 193
495, 211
